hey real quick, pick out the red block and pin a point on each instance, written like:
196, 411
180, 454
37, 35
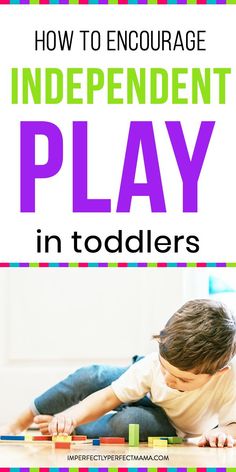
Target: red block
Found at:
79, 438
112, 440
62, 445
42, 438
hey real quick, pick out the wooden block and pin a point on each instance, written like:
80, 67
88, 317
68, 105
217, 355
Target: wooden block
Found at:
151, 439
62, 438
134, 435
12, 438
62, 445
112, 440
28, 438
160, 443
175, 440
42, 438
96, 442
79, 438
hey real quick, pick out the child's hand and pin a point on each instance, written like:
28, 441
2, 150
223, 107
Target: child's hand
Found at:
61, 423
216, 438
43, 422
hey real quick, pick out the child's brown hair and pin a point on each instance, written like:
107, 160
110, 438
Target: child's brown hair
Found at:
200, 337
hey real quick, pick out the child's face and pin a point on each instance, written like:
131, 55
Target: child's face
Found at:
181, 380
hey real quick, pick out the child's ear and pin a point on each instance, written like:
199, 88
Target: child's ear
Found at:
223, 370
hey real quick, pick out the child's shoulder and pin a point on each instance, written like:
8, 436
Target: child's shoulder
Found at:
152, 357
229, 378
150, 360
232, 365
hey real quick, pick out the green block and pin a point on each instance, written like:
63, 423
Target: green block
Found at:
134, 435
175, 440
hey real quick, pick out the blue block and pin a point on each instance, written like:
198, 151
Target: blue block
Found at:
12, 438
96, 442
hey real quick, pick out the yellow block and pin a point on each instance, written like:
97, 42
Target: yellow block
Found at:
62, 438
151, 438
160, 443
28, 438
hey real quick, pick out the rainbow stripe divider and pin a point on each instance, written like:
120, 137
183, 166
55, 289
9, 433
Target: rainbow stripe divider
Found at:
115, 264
117, 2
118, 469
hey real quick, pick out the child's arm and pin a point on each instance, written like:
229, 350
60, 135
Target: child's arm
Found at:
89, 409
224, 436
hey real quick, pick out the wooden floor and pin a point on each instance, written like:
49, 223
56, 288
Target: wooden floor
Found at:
20, 454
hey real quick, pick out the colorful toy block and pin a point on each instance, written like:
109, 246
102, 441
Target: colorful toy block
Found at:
96, 442
41, 438
61, 438
28, 438
12, 438
62, 445
112, 440
152, 438
79, 438
169, 439
159, 443
134, 435
175, 440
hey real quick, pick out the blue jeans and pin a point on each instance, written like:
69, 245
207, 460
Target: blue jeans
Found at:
152, 419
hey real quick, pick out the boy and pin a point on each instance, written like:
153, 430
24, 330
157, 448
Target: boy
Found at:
188, 389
